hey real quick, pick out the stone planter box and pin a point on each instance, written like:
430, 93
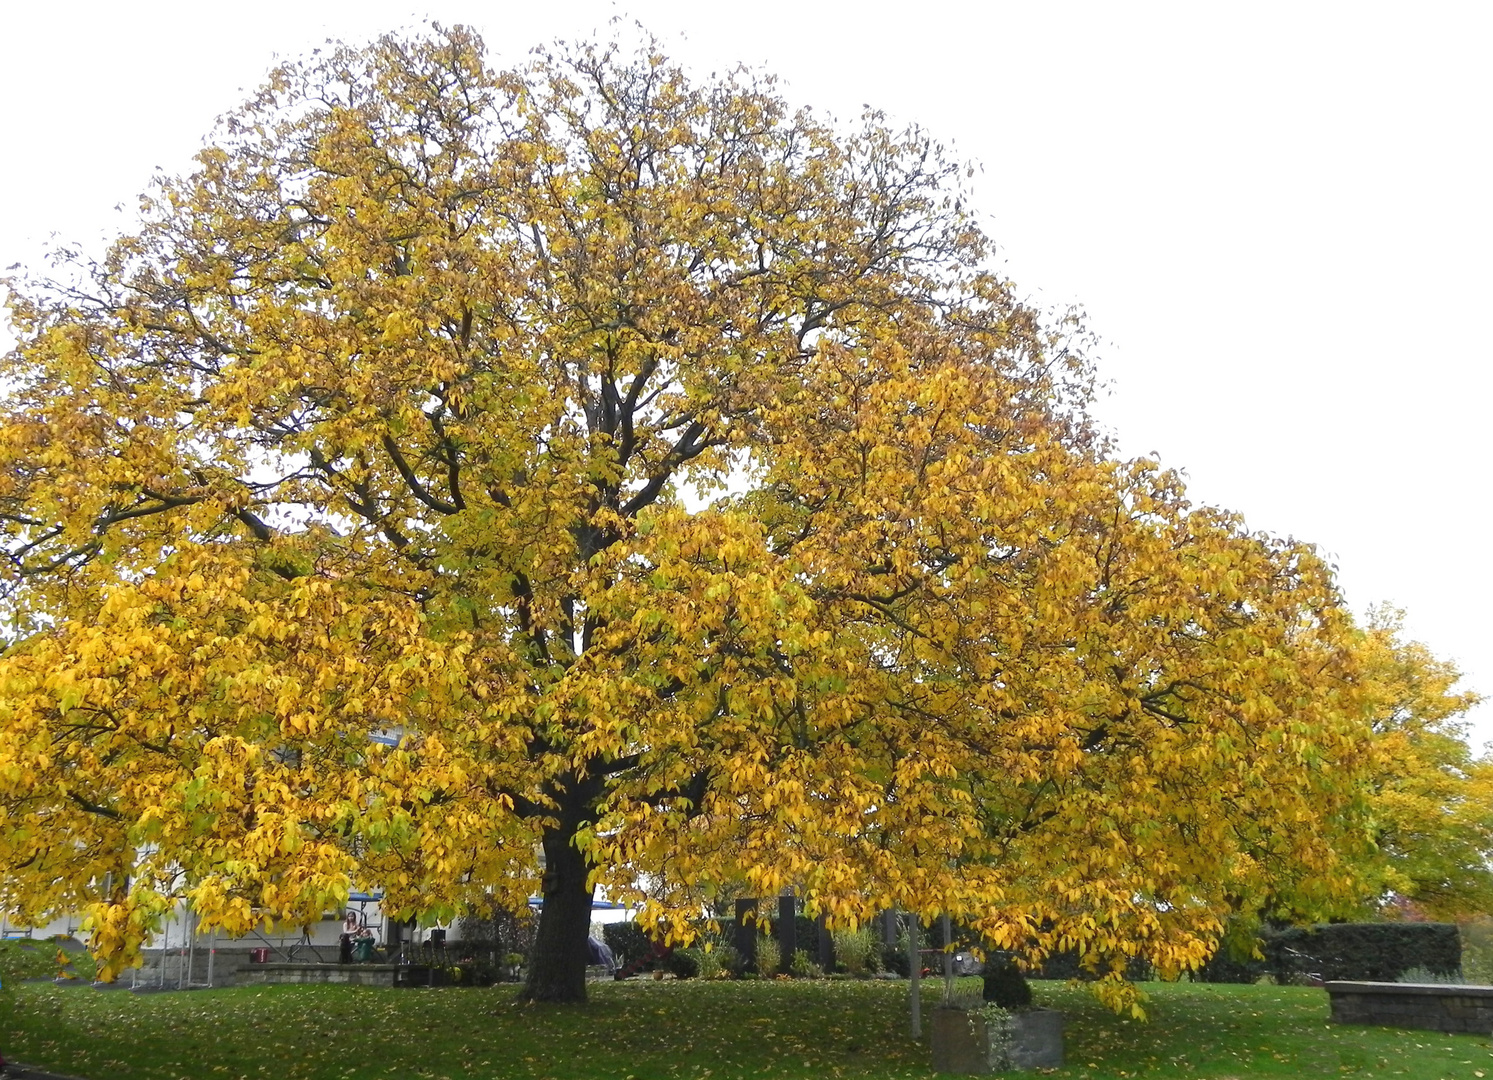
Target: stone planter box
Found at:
1427, 1006
963, 1043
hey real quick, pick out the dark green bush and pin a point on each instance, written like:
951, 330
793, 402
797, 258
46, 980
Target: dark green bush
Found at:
806, 935
894, 959
478, 973
628, 943
1225, 967
1234, 961
1006, 986
682, 963
493, 931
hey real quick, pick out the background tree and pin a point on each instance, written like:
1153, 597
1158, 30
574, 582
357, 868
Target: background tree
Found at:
387, 420
1433, 799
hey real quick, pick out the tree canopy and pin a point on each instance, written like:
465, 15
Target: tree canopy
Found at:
670, 478
1431, 798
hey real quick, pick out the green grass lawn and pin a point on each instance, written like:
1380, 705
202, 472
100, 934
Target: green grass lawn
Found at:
661, 1031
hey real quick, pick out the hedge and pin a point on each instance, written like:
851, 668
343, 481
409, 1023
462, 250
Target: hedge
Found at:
1069, 965
1225, 967
1375, 952
628, 943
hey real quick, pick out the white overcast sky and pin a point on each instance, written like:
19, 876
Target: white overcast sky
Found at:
1276, 215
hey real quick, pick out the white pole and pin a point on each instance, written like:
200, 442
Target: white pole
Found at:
948, 961
915, 974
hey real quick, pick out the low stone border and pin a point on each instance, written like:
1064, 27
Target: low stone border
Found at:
1427, 1006
354, 974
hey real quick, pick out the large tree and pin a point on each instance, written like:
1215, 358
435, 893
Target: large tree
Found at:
669, 473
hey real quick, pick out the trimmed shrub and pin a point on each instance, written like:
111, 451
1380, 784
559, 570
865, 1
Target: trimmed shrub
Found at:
1375, 952
682, 963
1005, 986
806, 935
894, 958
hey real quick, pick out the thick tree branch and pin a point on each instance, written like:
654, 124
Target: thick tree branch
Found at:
440, 506
95, 808
688, 447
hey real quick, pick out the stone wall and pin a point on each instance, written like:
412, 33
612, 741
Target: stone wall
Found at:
177, 966
230, 965
348, 974
1427, 1006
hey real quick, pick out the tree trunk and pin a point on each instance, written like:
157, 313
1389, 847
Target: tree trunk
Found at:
557, 970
